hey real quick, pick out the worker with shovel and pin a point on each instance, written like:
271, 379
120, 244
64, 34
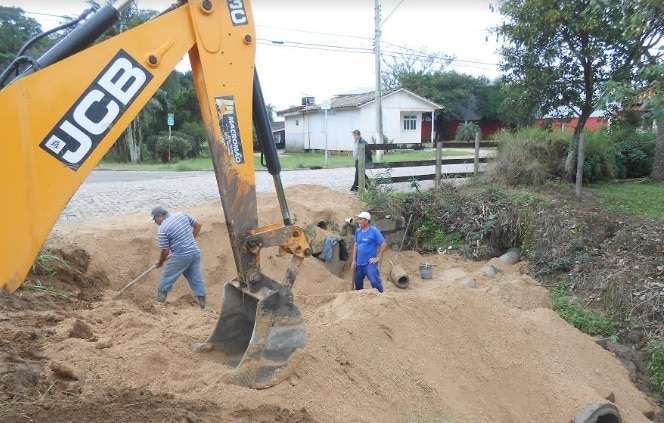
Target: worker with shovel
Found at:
367, 253
177, 237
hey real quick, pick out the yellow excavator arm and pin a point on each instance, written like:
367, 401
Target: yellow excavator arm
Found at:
65, 112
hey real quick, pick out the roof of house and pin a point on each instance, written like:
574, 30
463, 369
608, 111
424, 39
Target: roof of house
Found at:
277, 126
347, 101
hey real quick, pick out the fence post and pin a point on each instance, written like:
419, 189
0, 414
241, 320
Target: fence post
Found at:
476, 170
361, 157
439, 159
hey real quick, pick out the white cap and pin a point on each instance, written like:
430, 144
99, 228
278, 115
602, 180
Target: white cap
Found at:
364, 215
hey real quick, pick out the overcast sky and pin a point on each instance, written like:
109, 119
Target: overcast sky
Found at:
460, 28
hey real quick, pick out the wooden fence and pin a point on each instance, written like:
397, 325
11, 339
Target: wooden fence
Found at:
438, 162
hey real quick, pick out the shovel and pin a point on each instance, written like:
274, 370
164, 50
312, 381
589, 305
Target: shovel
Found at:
138, 278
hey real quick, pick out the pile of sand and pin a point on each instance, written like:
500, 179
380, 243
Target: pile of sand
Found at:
459, 347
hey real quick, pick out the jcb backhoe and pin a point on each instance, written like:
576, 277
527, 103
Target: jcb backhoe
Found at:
60, 113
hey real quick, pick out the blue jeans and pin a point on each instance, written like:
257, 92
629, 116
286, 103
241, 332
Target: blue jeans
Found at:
369, 271
190, 267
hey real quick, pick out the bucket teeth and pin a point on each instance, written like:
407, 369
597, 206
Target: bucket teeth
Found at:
259, 332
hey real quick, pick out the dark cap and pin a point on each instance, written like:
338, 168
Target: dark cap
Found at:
158, 211
356, 132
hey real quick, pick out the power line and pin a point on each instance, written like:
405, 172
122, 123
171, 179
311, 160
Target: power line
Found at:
27, 12
345, 49
419, 52
341, 48
316, 32
391, 12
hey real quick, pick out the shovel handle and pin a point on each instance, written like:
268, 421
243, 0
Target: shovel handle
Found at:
138, 278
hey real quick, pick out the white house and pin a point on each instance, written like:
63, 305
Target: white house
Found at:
407, 118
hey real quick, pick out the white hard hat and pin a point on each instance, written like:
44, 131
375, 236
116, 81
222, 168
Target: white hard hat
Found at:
364, 215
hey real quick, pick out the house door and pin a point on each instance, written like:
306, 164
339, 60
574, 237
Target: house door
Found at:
426, 126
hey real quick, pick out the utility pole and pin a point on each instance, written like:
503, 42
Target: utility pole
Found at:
379, 102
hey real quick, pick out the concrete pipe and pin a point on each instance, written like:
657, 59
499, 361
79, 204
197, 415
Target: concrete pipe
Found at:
399, 277
598, 413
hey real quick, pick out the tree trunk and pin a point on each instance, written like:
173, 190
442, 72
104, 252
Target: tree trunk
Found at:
658, 162
579, 164
573, 153
132, 138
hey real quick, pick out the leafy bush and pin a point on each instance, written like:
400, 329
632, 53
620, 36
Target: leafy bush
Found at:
600, 162
432, 237
635, 151
467, 131
178, 147
577, 315
480, 223
529, 156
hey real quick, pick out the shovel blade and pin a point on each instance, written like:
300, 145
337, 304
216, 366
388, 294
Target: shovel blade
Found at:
259, 331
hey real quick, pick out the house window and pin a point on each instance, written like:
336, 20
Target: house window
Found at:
409, 122
297, 122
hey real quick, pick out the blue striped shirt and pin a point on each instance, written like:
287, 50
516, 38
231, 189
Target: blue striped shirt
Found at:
176, 234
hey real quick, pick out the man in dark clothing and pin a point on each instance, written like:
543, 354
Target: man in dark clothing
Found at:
367, 155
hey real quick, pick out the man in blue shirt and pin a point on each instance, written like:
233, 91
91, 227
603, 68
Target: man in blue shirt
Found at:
177, 238
367, 253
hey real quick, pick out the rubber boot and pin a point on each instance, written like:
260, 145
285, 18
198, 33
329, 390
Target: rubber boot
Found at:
161, 298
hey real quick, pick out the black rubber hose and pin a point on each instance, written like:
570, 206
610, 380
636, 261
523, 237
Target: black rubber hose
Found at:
264, 130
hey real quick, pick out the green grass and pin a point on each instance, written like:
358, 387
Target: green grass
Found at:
656, 365
289, 161
644, 198
577, 315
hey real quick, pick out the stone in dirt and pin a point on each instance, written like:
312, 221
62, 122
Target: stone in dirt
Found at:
469, 282
512, 256
490, 271
62, 371
201, 347
81, 330
101, 345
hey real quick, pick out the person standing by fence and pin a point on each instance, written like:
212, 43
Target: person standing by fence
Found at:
357, 140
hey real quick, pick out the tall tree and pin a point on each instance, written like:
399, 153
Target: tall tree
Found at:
413, 64
15, 30
568, 50
129, 146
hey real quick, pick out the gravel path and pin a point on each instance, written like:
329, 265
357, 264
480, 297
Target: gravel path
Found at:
123, 192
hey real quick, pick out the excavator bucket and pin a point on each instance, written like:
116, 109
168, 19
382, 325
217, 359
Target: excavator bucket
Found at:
259, 331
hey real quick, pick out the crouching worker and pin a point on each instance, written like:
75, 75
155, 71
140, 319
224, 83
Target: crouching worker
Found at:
367, 253
177, 237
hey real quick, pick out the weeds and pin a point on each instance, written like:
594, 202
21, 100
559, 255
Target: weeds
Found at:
48, 263
582, 318
58, 293
656, 365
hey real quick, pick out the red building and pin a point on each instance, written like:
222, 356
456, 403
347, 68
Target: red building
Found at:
594, 123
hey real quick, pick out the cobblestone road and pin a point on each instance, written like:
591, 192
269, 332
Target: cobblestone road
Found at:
123, 192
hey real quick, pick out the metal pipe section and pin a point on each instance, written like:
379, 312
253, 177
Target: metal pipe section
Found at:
82, 36
269, 149
281, 196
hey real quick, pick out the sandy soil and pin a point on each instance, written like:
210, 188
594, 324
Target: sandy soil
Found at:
458, 348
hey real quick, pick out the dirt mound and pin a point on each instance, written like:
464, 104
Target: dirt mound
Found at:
445, 349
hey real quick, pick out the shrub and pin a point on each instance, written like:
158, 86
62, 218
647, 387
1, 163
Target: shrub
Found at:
529, 156
635, 151
179, 146
600, 162
467, 131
